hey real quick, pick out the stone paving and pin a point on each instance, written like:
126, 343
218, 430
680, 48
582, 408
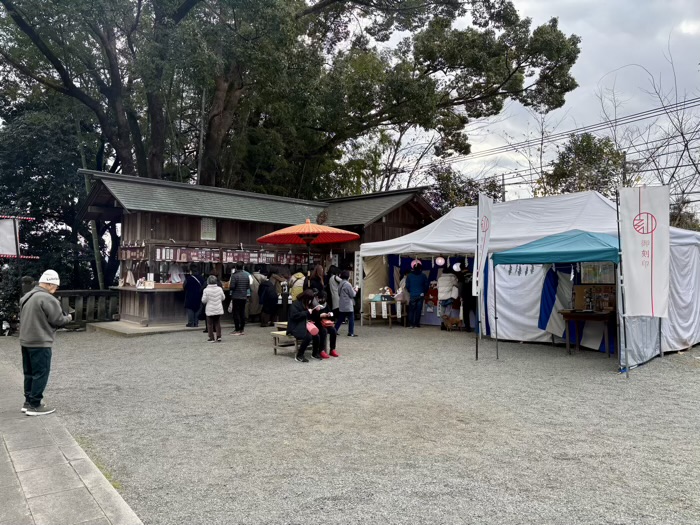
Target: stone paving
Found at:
45, 476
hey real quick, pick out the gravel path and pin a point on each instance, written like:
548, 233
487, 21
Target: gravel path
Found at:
404, 428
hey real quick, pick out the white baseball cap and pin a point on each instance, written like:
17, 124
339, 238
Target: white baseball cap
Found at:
50, 277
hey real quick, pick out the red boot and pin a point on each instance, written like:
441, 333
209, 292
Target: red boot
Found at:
334, 353
324, 355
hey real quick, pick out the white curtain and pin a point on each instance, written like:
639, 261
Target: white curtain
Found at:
518, 303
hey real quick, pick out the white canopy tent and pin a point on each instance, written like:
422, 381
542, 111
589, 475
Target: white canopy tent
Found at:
515, 223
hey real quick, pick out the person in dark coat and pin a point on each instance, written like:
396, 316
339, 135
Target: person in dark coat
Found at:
417, 285
318, 316
193, 295
299, 314
267, 293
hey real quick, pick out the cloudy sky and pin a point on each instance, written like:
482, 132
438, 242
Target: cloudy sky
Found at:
615, 35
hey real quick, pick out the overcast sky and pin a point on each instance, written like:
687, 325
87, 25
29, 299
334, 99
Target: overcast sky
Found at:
615, 34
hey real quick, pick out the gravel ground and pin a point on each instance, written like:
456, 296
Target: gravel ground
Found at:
404, 428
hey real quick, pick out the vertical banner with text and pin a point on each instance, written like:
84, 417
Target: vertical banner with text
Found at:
483, 238
645, 245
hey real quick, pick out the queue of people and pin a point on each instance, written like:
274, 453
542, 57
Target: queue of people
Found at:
327, 298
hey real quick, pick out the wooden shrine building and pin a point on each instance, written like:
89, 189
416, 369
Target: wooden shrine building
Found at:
166, 226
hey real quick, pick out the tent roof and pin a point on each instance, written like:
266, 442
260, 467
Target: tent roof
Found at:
567, 247
514, 223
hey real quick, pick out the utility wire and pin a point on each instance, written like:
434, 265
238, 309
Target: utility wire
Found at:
556, 137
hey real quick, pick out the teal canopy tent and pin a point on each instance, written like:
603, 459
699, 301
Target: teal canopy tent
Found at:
568, 247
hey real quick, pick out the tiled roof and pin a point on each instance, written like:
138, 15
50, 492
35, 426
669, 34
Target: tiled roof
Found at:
148, 195
138, 194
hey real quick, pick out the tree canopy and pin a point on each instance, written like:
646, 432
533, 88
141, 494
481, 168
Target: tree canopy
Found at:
267, 95
585, 163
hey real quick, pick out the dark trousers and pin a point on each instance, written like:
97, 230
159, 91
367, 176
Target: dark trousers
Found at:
350, 316
192, 317
36, 363
239, 314
415, 309
329, 331
214, 325
267, 318
305, 343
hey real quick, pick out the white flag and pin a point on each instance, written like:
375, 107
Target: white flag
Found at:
645, 244
8, 246
483, 238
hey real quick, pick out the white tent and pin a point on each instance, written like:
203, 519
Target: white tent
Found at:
515, 223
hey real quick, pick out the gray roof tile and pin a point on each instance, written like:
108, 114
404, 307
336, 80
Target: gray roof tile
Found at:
364, 210
184, 199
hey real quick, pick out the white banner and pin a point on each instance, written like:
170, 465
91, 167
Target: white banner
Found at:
645, 244
7, 238
483, 238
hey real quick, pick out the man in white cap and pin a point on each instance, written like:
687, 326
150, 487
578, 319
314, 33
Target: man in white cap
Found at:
40, 315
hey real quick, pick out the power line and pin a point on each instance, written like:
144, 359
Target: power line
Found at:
629, 119
518, 174
635, 117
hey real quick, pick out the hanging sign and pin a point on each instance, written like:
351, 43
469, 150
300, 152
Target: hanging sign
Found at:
645, 245
8, 241
483, 238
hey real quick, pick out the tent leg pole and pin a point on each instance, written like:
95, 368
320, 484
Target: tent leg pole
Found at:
661, 348
478, 326
495, 308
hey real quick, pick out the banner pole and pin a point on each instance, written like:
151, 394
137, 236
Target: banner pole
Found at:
19, 264
622, 290
475, 275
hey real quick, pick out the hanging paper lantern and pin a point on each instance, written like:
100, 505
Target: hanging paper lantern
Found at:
457, 267
440, 261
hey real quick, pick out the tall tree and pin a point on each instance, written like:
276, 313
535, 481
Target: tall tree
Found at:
452, 189
285, 84
585, 163
39, 157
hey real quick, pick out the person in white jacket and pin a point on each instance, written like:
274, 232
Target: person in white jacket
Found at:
213, 299
448, 290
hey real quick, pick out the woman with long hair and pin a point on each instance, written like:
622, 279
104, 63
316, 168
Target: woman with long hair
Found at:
299, 314
317, 279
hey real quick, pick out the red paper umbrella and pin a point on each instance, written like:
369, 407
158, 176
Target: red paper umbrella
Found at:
308, 234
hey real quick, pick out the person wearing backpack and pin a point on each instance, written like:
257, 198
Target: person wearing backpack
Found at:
346, 307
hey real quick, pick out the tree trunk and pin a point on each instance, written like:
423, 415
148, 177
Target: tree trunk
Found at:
156, 152
222, 113
93, 223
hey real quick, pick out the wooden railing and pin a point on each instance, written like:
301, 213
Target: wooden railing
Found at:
90, 306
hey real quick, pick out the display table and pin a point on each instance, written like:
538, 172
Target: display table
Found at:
578, 316
153, 306
388, 304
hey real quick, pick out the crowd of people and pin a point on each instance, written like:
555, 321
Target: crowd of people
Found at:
322, 303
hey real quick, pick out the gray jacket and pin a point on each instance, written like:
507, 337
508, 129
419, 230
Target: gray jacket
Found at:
346, 294
333, 284
40, 315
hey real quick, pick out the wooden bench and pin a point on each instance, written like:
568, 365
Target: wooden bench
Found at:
282, 340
